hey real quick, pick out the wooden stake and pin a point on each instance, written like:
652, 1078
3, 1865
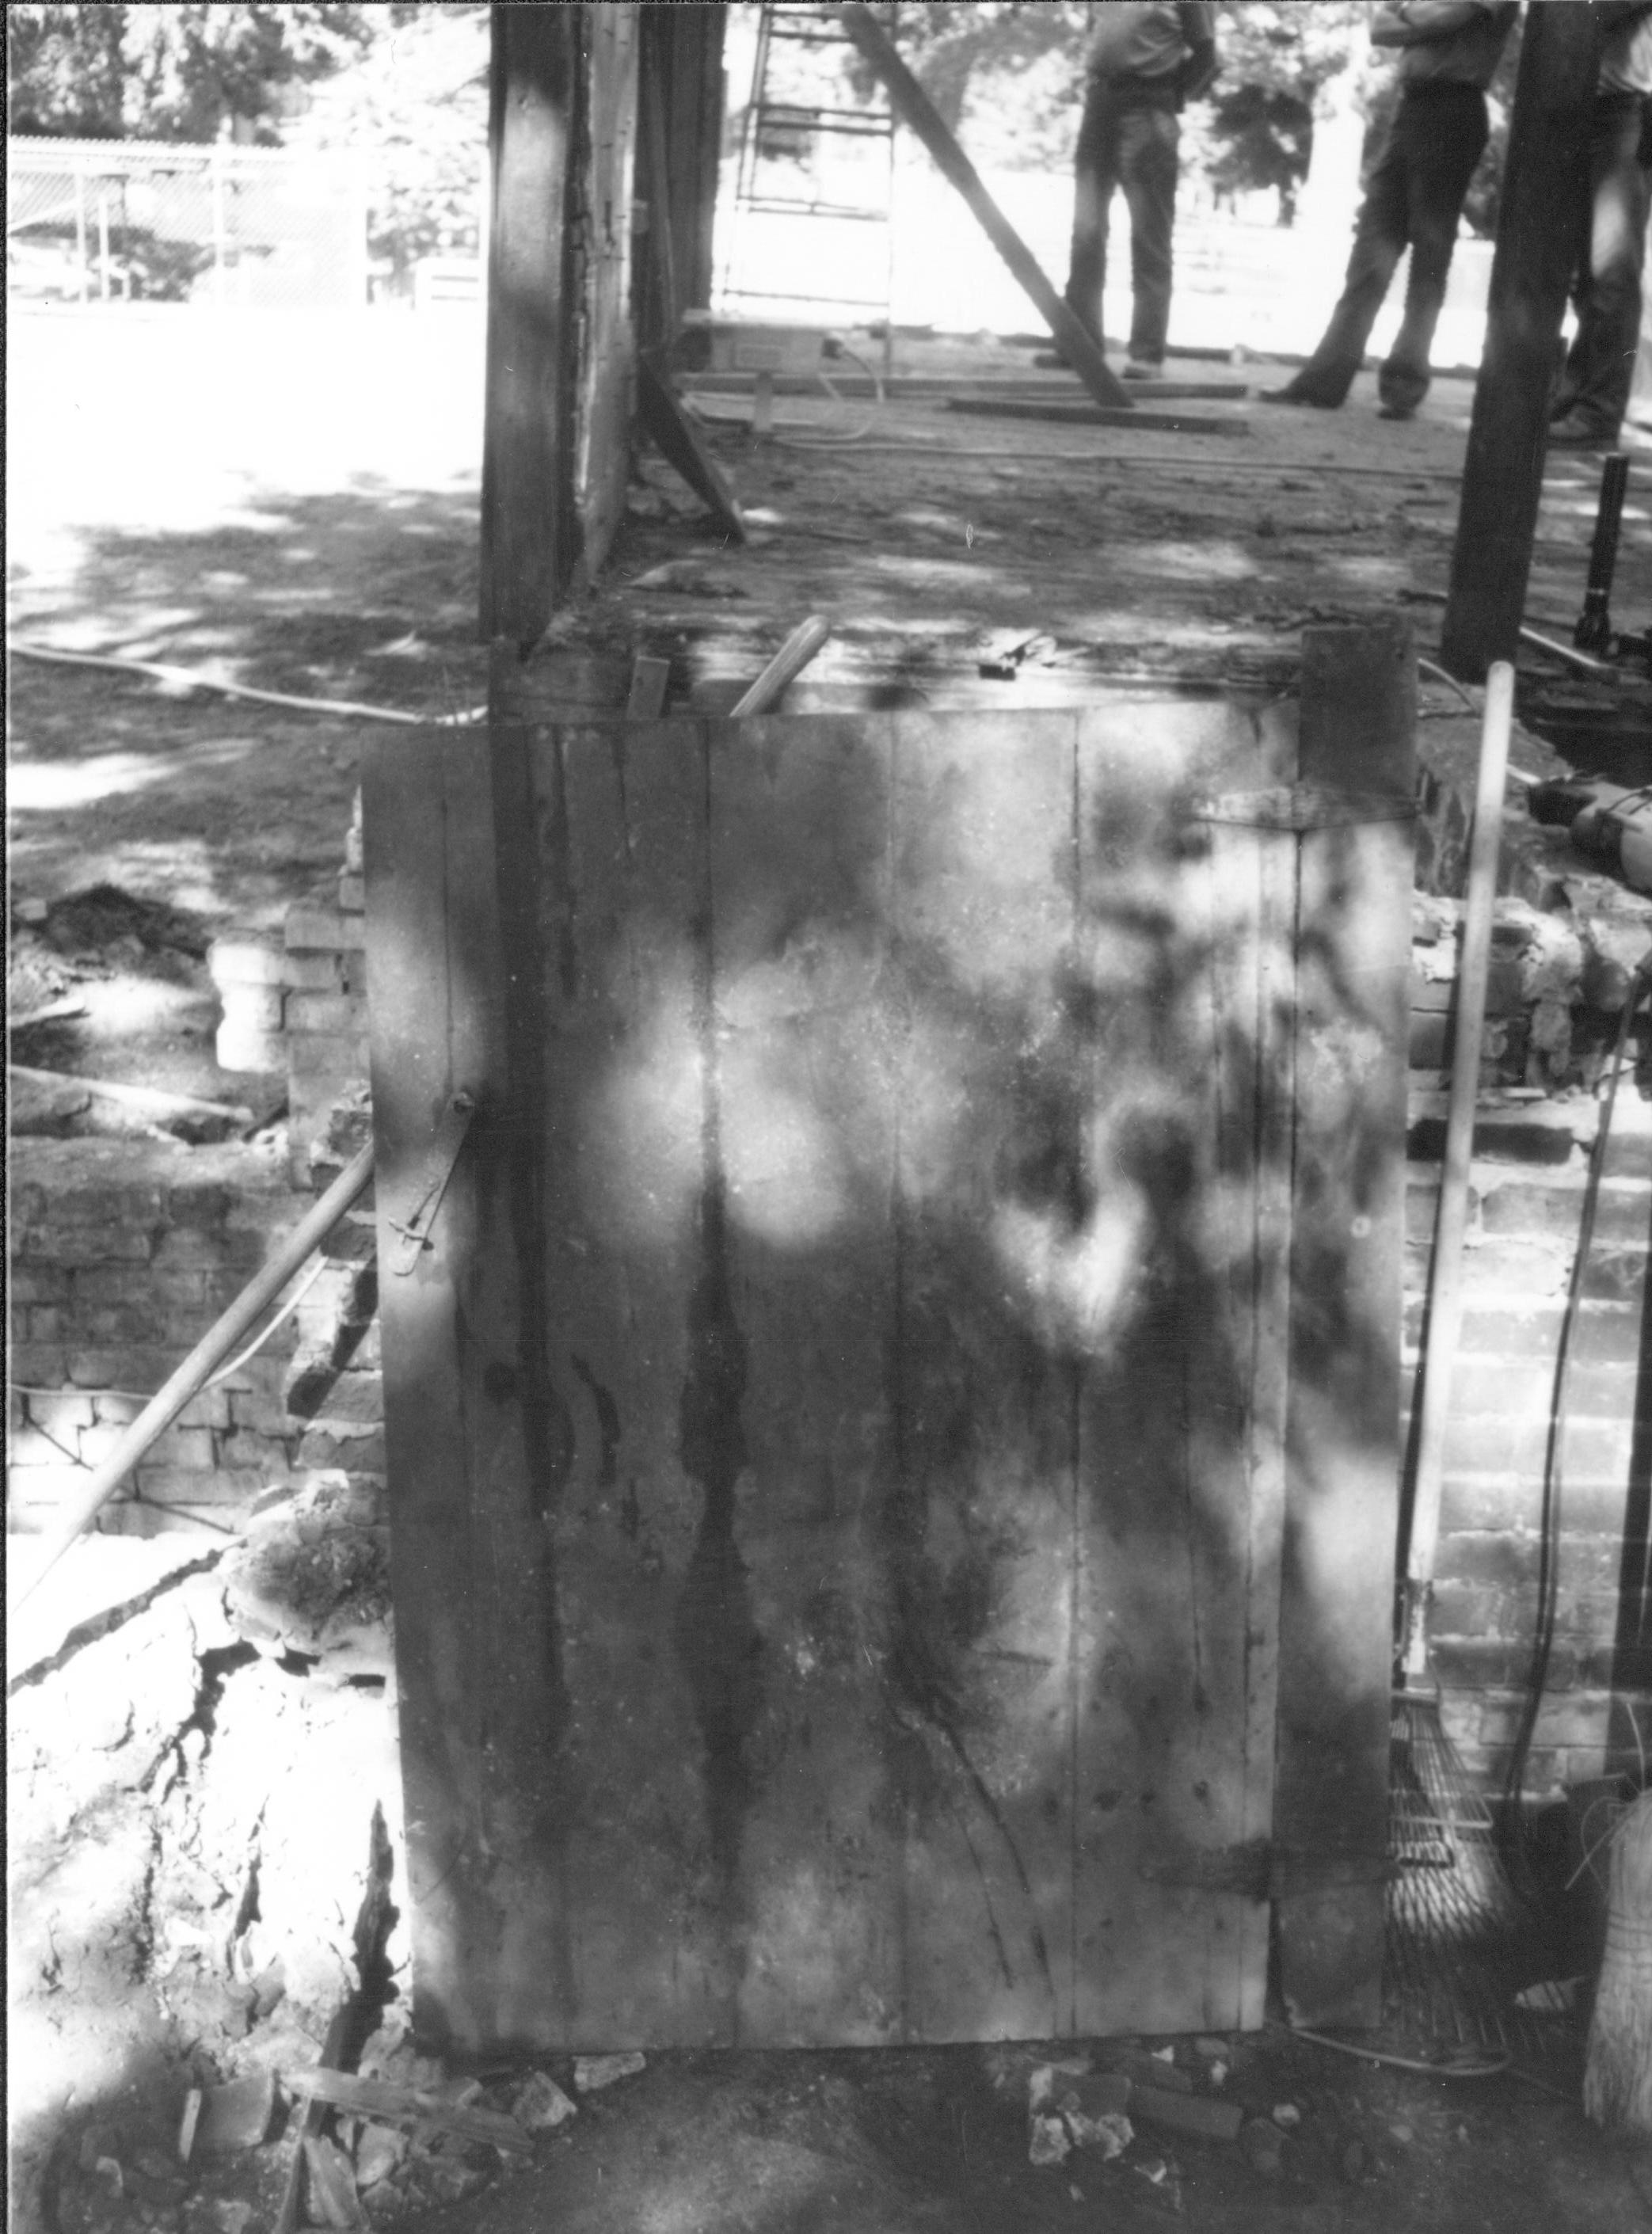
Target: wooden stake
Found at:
1544, 182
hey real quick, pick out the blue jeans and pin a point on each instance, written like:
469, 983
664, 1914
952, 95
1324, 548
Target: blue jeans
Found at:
1130, 141
1414, 198
1606, 286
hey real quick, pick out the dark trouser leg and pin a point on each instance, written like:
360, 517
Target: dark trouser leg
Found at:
1095, 173
1148, 138
1606, 292
1379, 242
1445, 130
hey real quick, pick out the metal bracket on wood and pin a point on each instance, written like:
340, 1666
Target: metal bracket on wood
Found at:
413, 1230
1301, 807
1261, 1870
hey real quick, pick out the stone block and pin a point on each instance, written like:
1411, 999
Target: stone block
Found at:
313, 928
245, 960
316, 973
339, 1013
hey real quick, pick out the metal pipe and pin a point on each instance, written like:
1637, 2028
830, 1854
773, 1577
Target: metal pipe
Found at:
187, 1382
1593, 630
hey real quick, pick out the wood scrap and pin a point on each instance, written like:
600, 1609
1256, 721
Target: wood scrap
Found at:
646, 701
237, 2115
332, 2184
673, 433
315, 2116
1093, 415
53, 1012
147, 1098
384, 2102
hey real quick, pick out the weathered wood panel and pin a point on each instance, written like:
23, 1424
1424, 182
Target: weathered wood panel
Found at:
1358, 711
898, 1110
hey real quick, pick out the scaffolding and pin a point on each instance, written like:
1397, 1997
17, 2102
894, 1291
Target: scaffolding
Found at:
814, 147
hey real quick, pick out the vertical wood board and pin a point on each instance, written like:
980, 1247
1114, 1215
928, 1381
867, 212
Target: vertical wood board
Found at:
905, 1363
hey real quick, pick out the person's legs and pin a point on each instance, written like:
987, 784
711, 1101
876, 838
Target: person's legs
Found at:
1148, 138
1379, 242
1095, 173
1442, 156
1595, 389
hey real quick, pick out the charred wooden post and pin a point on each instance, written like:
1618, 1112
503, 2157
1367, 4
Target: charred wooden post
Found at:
1544, 183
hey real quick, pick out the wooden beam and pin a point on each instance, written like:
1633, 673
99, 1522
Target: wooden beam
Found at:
1544, 182
917, 112
529, 535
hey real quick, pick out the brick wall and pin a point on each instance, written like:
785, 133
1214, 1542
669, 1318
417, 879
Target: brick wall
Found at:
123, 1252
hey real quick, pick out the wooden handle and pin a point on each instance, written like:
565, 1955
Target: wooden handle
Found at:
1445, 1285
788, 663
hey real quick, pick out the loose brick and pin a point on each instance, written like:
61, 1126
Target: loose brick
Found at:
316, 973
244, 962
312, 928
203, 1203
352, 893
1471, 1662
1504, 1561
322, 1450
61, 1413
34, 1445
32, 1281
44, 1322
1503, 1137
1621, 1212
329, 1055
351, 1397
77, 1245
216, 1485
39, 1364
253, 1412
1615, 1273
343, 1014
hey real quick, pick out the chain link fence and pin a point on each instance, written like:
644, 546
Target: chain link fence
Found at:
104, 220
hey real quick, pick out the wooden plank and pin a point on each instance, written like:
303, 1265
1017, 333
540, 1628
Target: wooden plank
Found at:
1545, 183
918, 113
644, 1901
979, 1527
603, 247
677, 439
796, 1268
1180, 1480
1336, 1644
466, 1566
529, 522
1095, 414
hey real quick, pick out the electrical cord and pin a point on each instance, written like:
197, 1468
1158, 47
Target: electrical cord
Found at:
1553, 1477
184, 678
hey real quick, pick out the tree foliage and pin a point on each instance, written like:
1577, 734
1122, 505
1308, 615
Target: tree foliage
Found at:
417, 99
171, 72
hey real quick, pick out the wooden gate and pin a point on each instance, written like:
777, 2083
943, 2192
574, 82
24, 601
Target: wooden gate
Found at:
889, 1241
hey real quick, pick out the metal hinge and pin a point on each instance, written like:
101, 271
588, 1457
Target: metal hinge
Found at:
1301, 807
413, 1231
1261, 1870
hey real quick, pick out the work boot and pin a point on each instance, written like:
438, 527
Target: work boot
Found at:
1137, 367
1577, 431
1291, 394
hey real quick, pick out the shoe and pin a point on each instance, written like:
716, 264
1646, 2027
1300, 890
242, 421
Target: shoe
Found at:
1295, 395
1135, 369
1052, 361
1396, 411
1575, 432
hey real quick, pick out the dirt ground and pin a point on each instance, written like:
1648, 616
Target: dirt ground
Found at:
191, 1810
